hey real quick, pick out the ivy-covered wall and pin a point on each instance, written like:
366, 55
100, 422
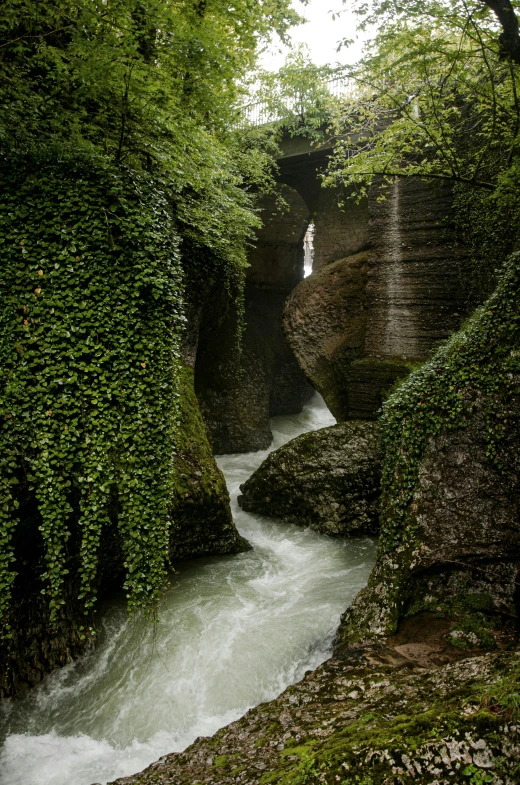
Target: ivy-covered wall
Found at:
91, 317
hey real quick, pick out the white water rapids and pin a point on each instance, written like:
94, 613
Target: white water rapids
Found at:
234, 632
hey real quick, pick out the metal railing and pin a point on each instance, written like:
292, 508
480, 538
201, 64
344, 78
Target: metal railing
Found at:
262, 113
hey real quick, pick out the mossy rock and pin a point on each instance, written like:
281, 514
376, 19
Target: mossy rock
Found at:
375, 720
450, 528
200, 510
326, 479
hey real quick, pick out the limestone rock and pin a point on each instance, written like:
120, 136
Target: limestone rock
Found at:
419, 271
239, 391
325, 324
359, 324
202, 521
464, 555
326, 479
341, 226
378, 717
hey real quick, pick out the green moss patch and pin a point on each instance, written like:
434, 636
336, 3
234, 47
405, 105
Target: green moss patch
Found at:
480, 360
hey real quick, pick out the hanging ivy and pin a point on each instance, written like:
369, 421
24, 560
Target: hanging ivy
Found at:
90, 319
479, 363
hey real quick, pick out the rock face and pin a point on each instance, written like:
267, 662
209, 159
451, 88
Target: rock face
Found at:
450, 525
326, 479
240, 387
464, 555
202, 521
415, 290
325, 323
360, 323
375, 718
341, 226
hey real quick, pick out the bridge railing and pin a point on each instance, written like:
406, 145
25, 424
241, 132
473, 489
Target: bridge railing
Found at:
264, 112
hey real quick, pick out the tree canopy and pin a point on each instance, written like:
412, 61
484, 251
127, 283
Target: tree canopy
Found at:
151, 84
437, 97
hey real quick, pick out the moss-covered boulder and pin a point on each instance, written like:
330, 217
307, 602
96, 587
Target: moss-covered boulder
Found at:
450, 525
202, 521
327, 479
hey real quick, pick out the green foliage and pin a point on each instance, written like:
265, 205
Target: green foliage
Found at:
503, 695
150, 84
488, 230
477, 776
478, 363
127, 76
438, 99
91, 314
117, 135
297, 99
473, 631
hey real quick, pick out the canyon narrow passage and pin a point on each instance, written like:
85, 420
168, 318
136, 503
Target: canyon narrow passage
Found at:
234, 631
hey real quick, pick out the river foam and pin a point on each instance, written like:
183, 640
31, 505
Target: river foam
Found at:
234, 631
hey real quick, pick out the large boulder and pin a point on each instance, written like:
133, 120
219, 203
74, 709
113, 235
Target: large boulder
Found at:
325, 324
326, 479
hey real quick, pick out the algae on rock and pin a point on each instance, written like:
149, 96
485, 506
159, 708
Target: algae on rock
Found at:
374, 719
202, 521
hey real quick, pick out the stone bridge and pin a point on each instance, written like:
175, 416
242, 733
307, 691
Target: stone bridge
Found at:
386, 287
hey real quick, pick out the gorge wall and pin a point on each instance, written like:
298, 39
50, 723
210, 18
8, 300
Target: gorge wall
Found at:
241, 383
362, 321
386, 287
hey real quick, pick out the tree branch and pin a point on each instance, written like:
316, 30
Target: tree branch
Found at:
510, 36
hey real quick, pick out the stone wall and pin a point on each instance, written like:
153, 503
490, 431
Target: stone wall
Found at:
341, 226
415, 289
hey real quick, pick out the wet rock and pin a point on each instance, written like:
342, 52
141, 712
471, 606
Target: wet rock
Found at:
325, 324
378, 719
360, 323
239, 391
460, 555
241, 384
200, 510
326, 479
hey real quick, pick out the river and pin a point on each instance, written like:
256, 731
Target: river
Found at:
234, 632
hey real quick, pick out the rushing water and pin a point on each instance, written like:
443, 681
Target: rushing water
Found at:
234, 632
